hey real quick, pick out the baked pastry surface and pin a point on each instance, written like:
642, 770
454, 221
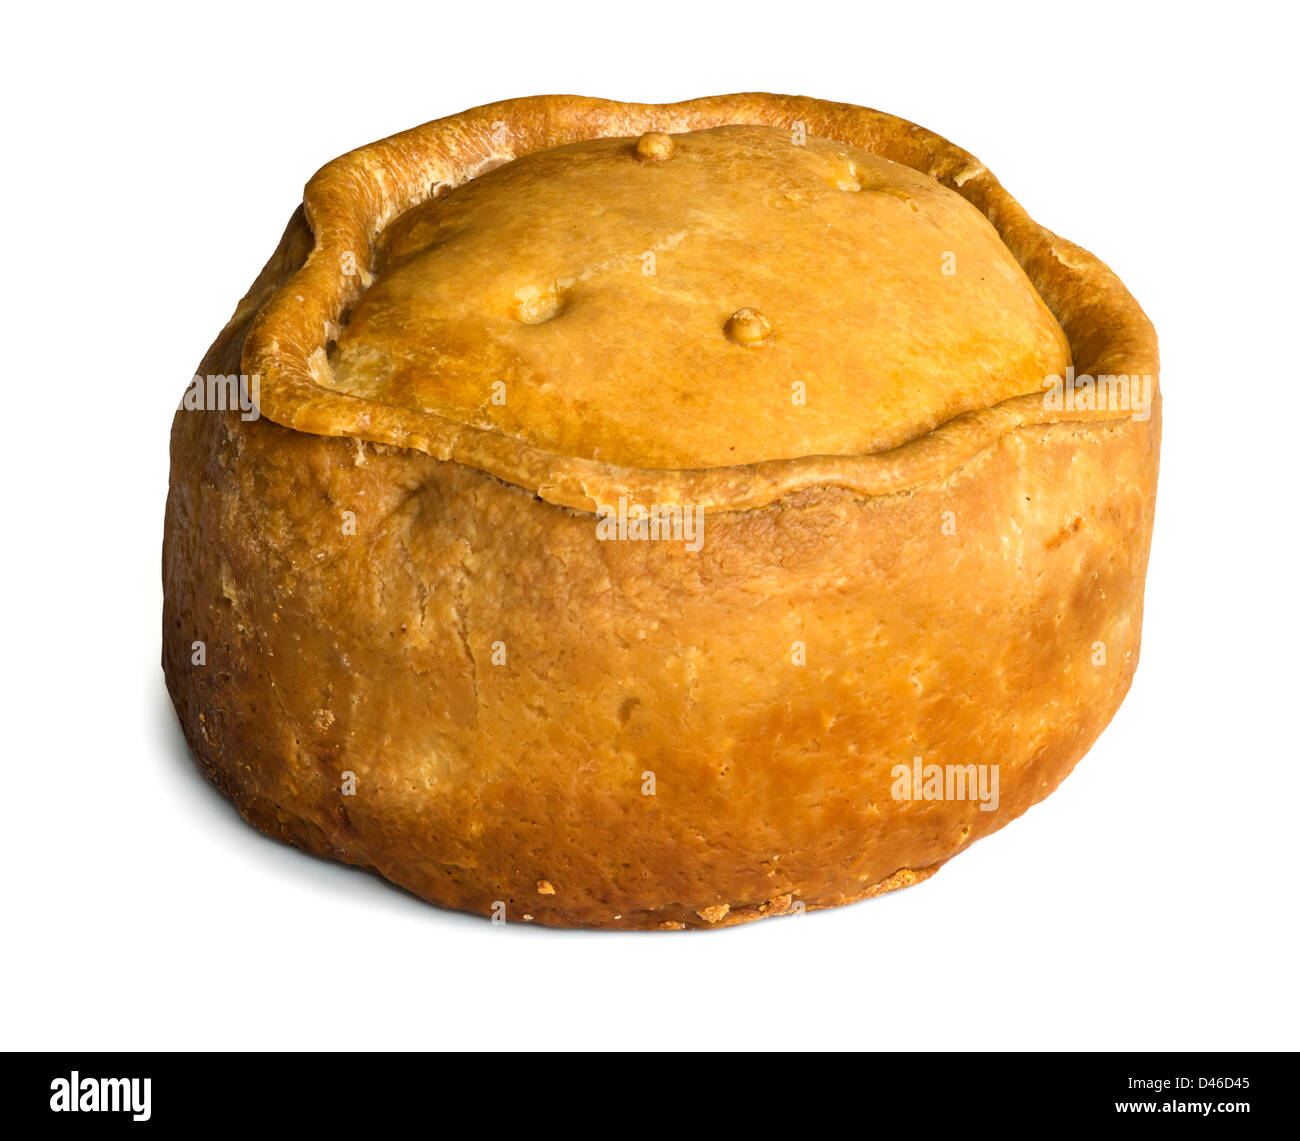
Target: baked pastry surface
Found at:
582, 276
421, 656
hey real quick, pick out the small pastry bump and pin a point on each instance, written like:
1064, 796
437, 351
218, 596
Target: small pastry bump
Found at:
747, 327
535, 305
655, 147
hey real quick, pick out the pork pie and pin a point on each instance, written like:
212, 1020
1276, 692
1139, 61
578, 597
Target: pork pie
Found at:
629, 516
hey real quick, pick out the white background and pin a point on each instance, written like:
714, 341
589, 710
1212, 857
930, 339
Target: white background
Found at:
152, 158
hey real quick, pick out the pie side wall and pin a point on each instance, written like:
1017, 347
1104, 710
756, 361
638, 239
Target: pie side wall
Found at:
372, 654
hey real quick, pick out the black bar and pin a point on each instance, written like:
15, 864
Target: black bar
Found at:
610, 1092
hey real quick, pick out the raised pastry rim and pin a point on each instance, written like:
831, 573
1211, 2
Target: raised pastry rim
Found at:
353, 198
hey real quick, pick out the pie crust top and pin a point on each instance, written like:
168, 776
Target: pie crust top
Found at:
599, 286
715, 302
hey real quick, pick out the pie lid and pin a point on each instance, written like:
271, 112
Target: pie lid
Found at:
715, 302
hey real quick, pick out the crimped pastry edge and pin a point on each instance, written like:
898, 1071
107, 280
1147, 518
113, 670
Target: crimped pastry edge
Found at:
353, 198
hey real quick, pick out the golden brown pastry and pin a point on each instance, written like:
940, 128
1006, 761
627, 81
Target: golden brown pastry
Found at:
659, 516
